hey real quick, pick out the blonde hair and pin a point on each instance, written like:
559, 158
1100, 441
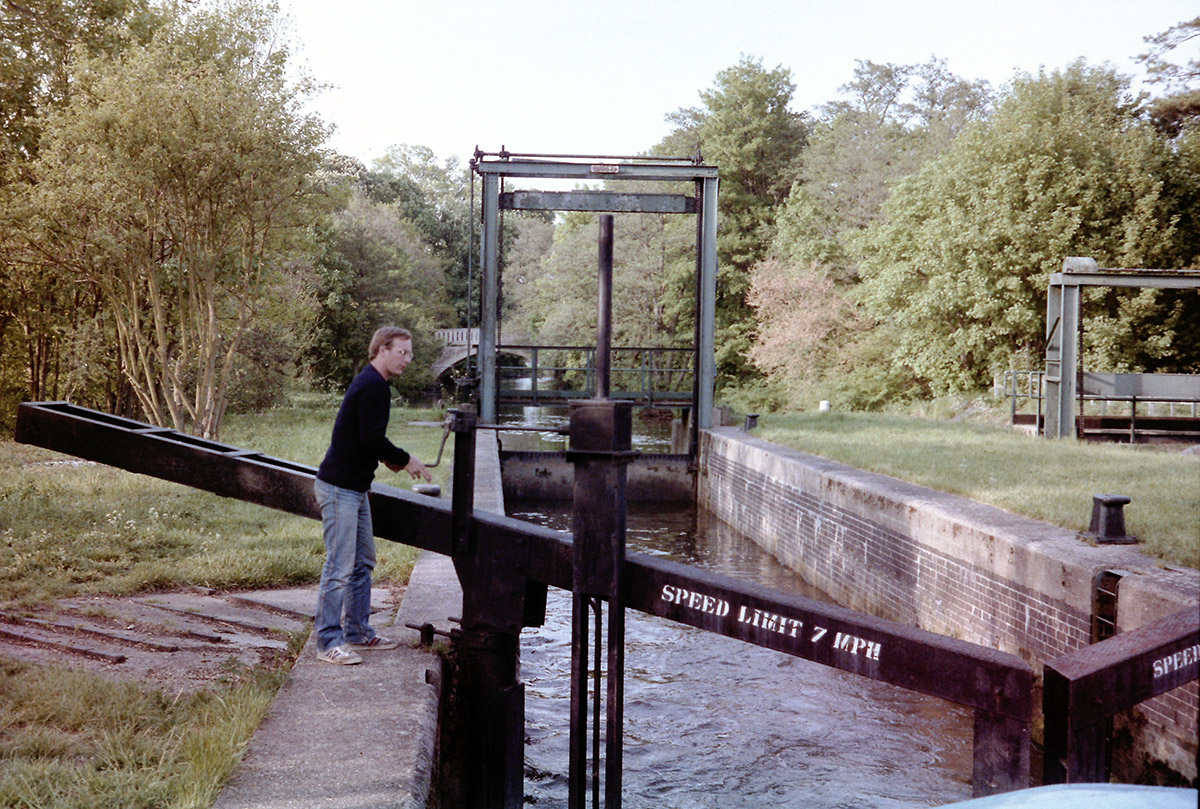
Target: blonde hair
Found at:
384, 336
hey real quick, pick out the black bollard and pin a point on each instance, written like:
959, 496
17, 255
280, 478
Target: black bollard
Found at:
1107, 526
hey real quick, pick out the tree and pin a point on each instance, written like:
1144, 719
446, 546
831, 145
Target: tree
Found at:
559, 290
1180, 82
374, 269
436, 198
892, 119
39, 314
37, 39
746, 129
959, 267
175, 181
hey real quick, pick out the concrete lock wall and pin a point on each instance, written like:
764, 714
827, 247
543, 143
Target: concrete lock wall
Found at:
953, 566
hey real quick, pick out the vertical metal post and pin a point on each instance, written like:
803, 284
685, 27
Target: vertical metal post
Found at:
600, 442
471, 261
490, 255
1039, 426
601, 433
494, 579
533, 376
1062, 348
462, 502
604, 314
706, 366
577, 744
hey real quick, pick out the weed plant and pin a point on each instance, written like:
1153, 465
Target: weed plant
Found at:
1052, 481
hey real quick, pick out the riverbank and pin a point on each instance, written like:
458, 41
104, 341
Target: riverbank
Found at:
1051, 481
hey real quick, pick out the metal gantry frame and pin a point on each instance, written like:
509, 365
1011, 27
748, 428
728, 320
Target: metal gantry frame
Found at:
1063, 325
496, 167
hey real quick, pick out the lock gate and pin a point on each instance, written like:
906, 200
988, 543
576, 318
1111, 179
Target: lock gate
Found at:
505, 566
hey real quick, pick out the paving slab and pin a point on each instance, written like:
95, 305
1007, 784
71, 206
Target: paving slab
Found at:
354, 737
300, 602
222, 613
345, 737
433, 597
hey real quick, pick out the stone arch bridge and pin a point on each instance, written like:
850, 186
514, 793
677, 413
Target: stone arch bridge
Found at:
458, 344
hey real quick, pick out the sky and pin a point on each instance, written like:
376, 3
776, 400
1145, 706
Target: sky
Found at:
599, 77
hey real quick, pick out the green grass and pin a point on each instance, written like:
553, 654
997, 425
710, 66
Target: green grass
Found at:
67, 528
1047, 480
73, 740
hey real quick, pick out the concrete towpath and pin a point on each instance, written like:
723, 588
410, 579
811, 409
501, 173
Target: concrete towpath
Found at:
365, 736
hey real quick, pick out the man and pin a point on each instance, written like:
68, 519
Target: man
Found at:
359, 443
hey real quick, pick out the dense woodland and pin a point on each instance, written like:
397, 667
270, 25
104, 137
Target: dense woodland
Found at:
176, 240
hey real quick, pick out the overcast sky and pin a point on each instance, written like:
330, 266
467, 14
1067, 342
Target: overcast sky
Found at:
598, 77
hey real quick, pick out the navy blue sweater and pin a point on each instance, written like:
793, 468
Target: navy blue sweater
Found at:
360, 439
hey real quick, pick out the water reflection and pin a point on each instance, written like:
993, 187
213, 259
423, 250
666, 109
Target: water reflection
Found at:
652, 429
713, 722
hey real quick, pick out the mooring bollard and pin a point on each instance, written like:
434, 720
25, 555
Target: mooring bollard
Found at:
1107, 526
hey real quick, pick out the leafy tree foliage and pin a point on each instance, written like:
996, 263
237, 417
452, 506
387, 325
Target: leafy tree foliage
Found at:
373, 269
435, 197
891, 119
531, 237
39, 316
173, 182
1180, 105
559, 295
37, 39
959, 267
747, 129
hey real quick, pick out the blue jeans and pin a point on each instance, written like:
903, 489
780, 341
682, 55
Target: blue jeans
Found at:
344, 597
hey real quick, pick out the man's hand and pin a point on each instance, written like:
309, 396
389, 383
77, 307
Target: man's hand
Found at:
417, 469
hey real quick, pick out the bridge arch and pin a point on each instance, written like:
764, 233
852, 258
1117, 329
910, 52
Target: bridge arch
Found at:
459, 344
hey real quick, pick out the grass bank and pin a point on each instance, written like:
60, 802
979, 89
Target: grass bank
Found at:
72, 739
1047, 480
68, 528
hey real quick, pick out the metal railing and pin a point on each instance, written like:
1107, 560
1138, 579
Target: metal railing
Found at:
1026, 386
1096, 392
644, 375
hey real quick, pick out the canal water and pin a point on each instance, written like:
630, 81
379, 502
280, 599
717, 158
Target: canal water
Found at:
714, 722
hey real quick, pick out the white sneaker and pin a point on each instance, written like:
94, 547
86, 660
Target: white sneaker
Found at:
342, 655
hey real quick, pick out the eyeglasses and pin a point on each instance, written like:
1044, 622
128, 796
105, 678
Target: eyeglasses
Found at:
403, 352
